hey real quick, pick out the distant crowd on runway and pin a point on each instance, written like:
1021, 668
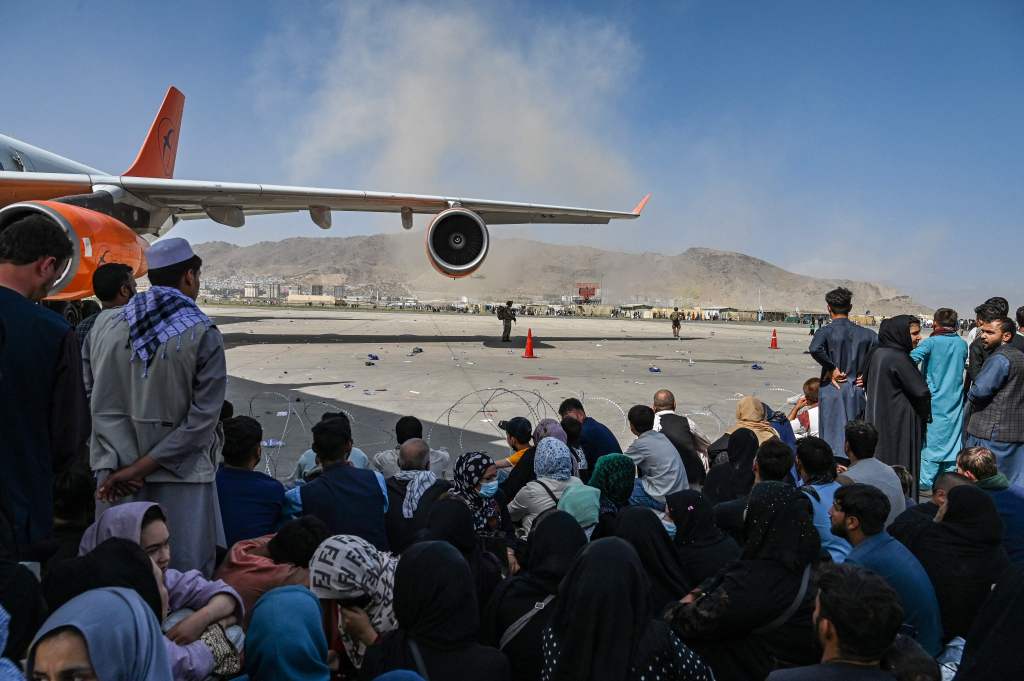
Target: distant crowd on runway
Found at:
875, 530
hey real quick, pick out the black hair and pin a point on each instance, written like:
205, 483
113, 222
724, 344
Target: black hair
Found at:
948, 480
152, 514
641, 417
330, 439
74, 490
297, 541
227, 410
867, 503
1020, 316
1007, 325
986, 313
172, 274
774, 460
573, 430
946, 317
407, 428
840, 300
108, 279
998, 303
336, 415
863, 609
571, 404
242, 437
906, 478
908, 661
32, 237
862, 438
816, 457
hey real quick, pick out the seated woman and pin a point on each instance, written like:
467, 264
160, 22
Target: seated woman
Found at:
751, 415
352, 574
755, 614
195, 603
702, 547
255, 566
550, 550
286, 639
643, 529
22, 599
733, 476
614, 475
121, 563
475, 484
603, 628
452, 522
438, 621
105, 634
552, 464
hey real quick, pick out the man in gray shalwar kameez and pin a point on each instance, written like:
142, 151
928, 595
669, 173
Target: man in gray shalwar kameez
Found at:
156, 376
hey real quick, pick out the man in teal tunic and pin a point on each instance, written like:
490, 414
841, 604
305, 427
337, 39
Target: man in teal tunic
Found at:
942, 357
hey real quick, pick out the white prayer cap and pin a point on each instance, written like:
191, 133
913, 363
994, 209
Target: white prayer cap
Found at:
167, 252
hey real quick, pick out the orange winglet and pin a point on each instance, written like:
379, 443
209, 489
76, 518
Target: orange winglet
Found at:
640, 206
157, 154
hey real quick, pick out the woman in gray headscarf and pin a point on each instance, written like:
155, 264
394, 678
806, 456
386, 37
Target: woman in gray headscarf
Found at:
109, 633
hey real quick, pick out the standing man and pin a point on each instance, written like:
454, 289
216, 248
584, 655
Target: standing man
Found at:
841, 349
44, 416
942, 357
507, 315
156, 374
997, 399
676, 321
114, 285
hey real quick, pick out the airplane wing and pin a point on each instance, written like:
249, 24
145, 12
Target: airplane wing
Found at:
228, 202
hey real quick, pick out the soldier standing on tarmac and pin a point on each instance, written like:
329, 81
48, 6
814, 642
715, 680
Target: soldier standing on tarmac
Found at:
676, 318
507, 315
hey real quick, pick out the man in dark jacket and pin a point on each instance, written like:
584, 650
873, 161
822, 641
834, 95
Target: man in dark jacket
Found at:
677, 429
411, 493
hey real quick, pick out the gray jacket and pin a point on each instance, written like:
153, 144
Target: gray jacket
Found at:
170, 411
659, 463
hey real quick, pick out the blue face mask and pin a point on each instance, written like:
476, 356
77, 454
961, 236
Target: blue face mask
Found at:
489, 489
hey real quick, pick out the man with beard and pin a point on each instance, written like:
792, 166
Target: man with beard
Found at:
856, 618
858, 515
45, 417
997, 400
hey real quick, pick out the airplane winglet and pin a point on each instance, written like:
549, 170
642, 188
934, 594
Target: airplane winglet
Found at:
157, 154
640, 206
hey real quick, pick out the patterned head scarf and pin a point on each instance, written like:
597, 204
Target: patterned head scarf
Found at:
157, 316
553, 460
345, 567
779, 526
469, 471
419, 482
614, 475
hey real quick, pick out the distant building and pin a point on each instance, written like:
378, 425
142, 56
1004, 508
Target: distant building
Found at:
302, 299
252, 290
274, 291
317, 290
339, 291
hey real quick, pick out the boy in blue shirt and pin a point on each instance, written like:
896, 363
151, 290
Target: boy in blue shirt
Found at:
251, 503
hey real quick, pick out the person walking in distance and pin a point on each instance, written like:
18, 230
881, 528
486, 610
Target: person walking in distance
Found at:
507, 315
677, 321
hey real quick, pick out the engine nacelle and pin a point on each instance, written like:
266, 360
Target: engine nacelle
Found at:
457, 242
96, 238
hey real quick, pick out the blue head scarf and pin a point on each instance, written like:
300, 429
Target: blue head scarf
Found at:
285, 639
552, 460
120, 631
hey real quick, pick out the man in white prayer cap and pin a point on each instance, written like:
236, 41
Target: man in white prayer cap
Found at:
156, 376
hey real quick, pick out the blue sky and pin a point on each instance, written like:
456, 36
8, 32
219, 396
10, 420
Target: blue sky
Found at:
872, 140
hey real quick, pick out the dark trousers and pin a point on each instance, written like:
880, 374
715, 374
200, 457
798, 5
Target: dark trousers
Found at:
506, 329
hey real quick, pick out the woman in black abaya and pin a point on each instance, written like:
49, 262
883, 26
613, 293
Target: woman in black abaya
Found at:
438, 621
602, 628
452, 521
733, 478
642, 528
702, 547
899, 403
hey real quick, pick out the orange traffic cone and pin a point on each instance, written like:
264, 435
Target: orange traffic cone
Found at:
529, 345
775, 341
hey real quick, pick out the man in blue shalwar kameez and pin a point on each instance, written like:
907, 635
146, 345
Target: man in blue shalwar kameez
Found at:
841, 349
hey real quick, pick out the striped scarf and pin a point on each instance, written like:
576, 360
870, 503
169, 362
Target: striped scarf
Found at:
158, 315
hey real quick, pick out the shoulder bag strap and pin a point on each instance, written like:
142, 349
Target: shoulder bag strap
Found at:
418, 659
548, 490
517, 626
784, 617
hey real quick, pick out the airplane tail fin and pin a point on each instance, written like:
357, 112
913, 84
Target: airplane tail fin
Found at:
157, 154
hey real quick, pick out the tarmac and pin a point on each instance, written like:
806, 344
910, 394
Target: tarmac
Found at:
288, 366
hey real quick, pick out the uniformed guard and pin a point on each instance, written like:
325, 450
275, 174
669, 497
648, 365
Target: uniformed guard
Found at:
507, 315
677, 321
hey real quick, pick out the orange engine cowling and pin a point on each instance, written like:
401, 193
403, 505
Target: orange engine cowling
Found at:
96, 238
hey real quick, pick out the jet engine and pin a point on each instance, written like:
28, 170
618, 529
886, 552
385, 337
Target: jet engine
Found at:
96, 238
457, 242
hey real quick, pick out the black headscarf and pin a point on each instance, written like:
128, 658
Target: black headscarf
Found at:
114, 563
702, 547
728, 481
552, 547
992, 650
642, 528
602, 618
435, 601
894, 332
779, 527
451, 520
22, 598
971, 514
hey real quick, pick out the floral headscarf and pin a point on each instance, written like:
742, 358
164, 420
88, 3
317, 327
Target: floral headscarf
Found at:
346, 567
614, 475
553, 460
469, 471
